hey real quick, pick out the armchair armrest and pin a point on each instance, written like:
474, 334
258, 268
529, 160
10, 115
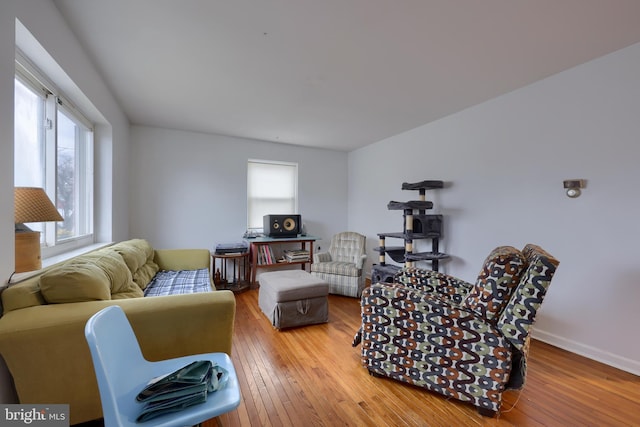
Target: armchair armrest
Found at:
360, 261
446, 286
322, 257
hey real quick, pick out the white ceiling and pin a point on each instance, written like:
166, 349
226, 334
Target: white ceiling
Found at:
337, 74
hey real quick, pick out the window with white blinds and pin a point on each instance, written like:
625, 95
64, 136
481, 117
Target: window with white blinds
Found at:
272, 188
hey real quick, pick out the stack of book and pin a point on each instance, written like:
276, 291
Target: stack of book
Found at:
266, 255
296, 255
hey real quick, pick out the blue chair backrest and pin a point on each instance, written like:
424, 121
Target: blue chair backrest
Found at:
116, 356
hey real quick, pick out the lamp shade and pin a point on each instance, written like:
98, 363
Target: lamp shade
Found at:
33, 205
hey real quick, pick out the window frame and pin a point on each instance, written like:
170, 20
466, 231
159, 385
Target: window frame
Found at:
84, 156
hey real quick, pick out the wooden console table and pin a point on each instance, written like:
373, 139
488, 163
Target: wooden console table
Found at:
256, 243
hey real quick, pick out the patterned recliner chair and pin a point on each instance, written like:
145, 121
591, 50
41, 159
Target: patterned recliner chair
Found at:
342, 265
465, 341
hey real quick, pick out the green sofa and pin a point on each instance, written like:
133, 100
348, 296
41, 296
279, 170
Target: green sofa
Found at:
42, 328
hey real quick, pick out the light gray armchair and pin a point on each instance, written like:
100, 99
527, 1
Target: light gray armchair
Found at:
341, 266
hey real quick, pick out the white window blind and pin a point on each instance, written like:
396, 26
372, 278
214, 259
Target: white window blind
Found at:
272, 188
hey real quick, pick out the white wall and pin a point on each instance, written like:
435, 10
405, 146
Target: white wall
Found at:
7, 70
189, 189
42, 30
504, 162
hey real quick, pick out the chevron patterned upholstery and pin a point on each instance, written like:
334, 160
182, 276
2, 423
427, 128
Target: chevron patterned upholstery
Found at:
465, 341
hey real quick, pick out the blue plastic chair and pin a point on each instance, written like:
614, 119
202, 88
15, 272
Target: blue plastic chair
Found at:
122, 371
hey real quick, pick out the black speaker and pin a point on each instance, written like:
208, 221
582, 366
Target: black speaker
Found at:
281, 225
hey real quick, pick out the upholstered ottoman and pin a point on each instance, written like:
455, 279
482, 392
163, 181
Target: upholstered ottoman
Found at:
293, 298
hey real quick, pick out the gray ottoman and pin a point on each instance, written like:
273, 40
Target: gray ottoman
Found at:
293, 298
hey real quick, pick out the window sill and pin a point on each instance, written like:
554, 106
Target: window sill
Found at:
48, 262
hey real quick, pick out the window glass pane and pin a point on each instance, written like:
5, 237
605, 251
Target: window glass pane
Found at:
28, 140
271, 189
66, 177
28, 137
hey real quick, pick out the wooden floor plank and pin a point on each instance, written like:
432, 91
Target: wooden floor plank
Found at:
311, 376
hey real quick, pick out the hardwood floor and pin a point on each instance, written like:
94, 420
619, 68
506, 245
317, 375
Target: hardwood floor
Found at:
311, 376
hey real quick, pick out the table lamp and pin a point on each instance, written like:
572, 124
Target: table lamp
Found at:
31, 205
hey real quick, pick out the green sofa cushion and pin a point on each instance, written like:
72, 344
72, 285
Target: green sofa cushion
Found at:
75, 282
138, 255
120, 279
99, 275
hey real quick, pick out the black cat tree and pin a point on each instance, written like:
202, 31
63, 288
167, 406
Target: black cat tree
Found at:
418, 225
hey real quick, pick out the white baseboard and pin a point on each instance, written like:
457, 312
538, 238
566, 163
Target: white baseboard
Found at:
619, 362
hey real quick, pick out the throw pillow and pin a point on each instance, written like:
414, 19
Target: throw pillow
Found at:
75, 282
138, 255
121, 282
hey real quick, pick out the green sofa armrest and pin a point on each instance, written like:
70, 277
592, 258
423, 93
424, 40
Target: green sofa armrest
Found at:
182, 259
46, 352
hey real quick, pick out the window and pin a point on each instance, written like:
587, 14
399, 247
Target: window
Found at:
272, 188
53, 149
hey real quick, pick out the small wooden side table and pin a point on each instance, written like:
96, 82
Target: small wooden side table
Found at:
240, 281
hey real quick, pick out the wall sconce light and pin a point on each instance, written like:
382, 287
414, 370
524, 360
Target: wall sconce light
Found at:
573, 187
